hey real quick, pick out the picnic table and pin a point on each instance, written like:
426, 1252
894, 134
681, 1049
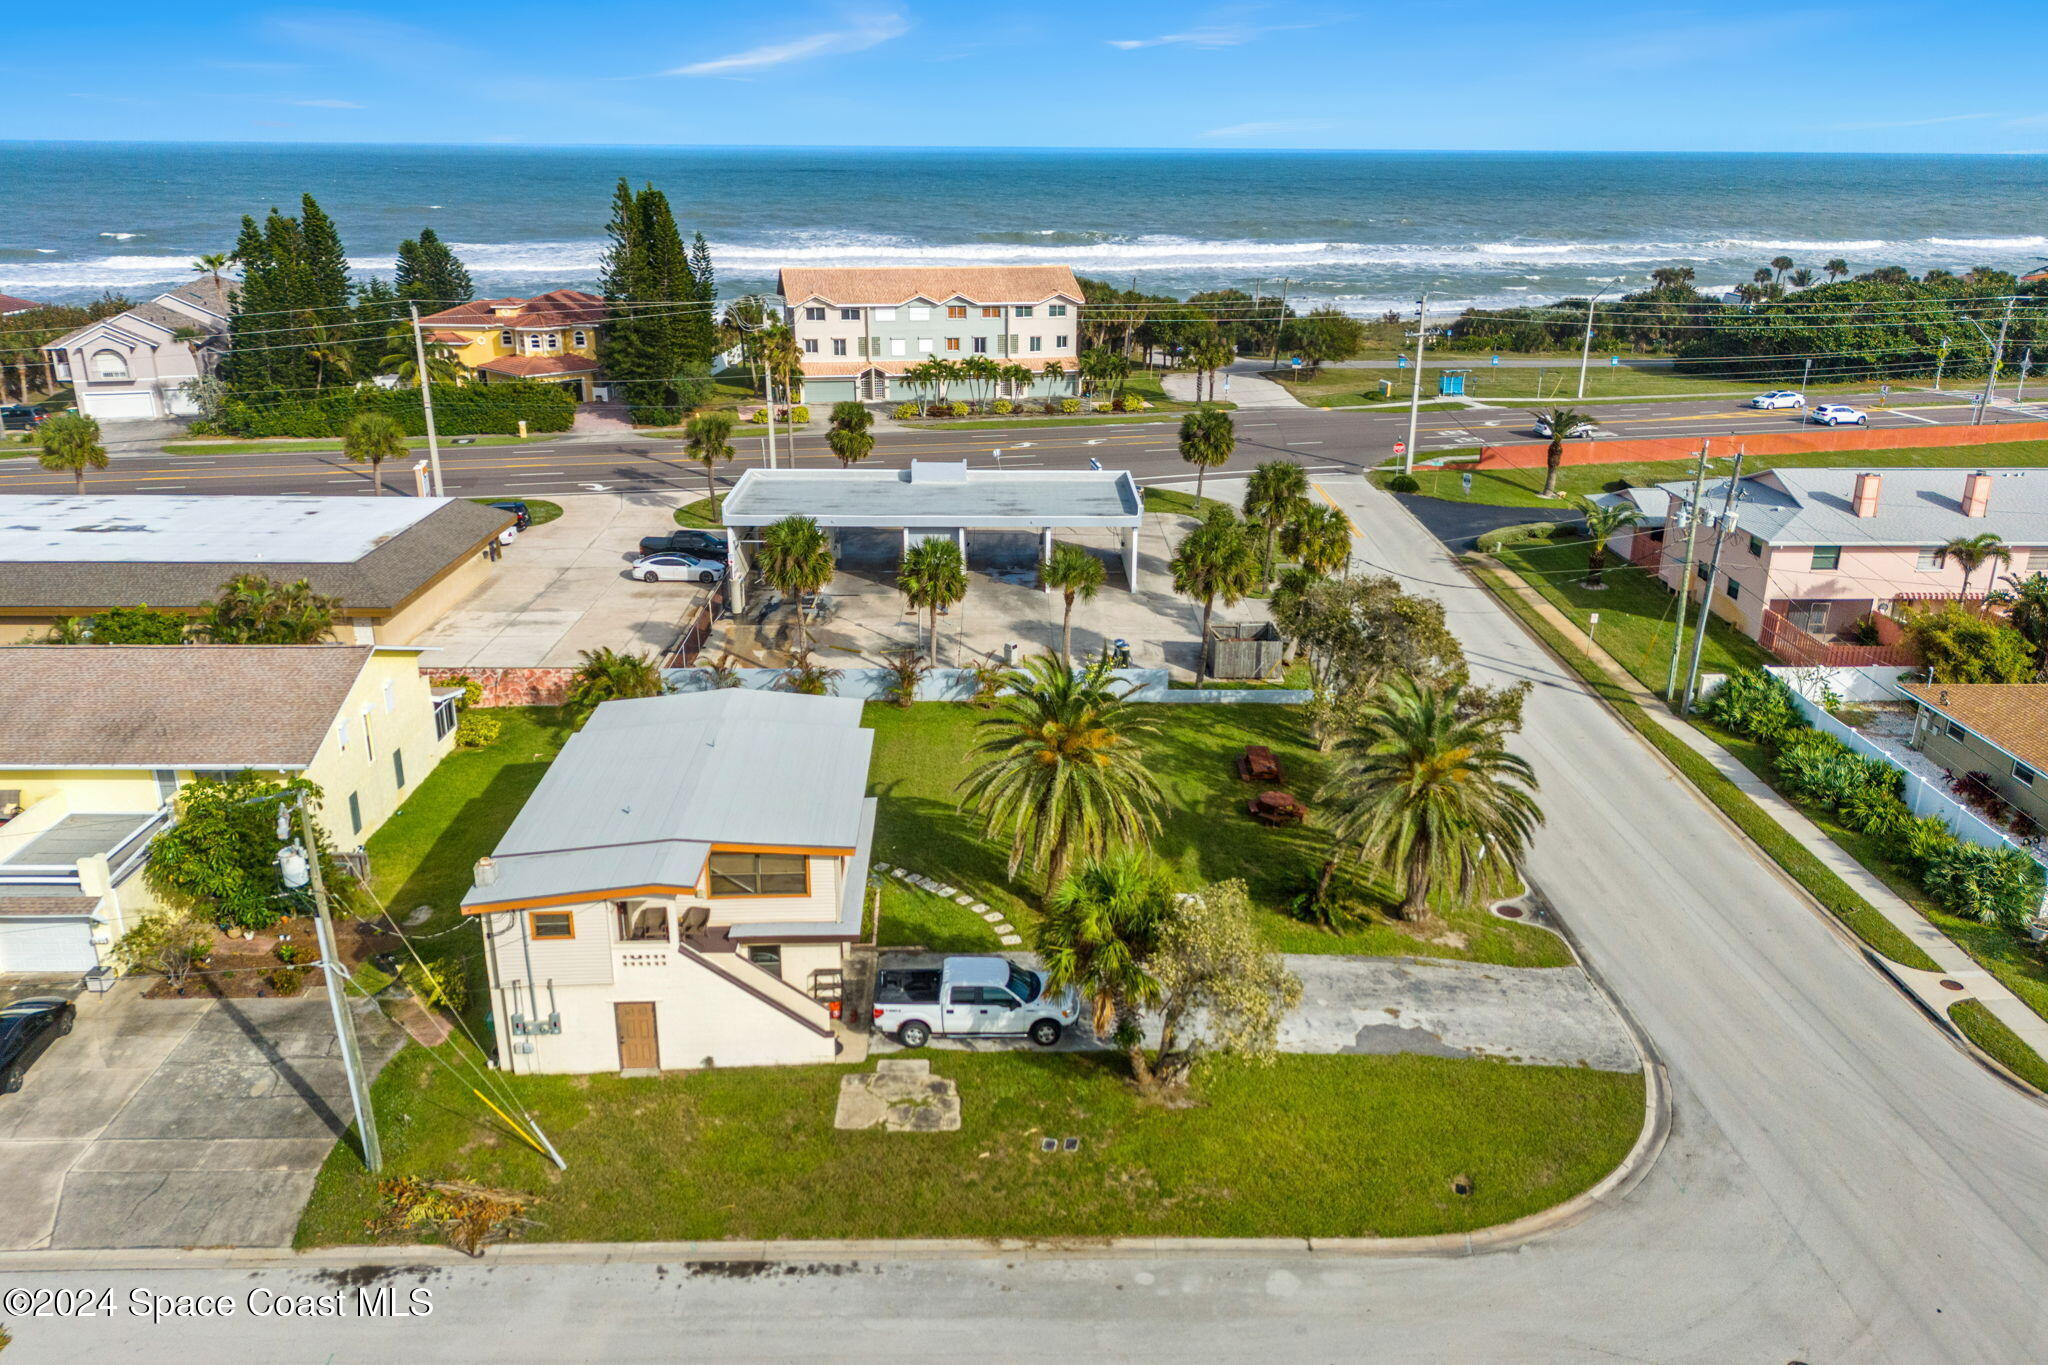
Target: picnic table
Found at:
1277, 808
1257, 764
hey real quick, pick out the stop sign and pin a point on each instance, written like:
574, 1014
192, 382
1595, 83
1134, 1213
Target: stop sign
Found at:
1400, 447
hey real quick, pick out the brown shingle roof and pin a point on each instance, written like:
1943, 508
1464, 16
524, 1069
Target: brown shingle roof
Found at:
2014, 716
887, 286
556, 308
383, 579
35, 905
10, 304
171, 706
536, 366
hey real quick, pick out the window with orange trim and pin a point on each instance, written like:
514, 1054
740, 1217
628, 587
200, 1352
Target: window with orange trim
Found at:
550, 924
760, 874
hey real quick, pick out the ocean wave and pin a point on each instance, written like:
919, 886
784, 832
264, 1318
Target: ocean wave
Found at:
1993, 243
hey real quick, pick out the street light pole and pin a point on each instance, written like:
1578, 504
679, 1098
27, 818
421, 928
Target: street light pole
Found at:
1997, 358
331, 971
1692, 523
1586, 349
419, 352
1280, 319
1415, 395
1721, 533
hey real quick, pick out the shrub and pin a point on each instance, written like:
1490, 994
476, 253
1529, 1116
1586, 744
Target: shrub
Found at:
1070, 405
472, 690
1962, 646
800, 416
475, 730
1527, 533
959, 409
442, 982
906, 669
903, 412
289, 953
1993, 886
1002, 407
989, 679
758, 415
285, 980
169, 941
1754, 704
809, 677
1403, 483
494, 409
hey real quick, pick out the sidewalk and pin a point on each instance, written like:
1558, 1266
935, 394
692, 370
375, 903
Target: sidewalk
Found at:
1248, 389
1928, 987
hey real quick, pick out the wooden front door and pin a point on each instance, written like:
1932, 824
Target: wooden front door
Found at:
637, 1049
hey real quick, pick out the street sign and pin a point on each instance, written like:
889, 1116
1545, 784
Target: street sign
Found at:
1400, 447
1496, 360
1466, 479
1614, 360
1400, 362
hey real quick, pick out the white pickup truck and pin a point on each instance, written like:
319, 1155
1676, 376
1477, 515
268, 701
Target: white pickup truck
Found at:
970, 997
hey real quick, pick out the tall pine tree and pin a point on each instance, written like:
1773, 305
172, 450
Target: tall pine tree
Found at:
624, 347
660, 333
703, 338
432, 273
291, 332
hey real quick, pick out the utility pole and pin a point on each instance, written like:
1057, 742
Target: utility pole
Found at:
1806, 379
1997, 358
1586, 349
419, 352
1280, 320
1415, 396
331, 972
1940, 360
2026, 364
1721, 533
1692, 519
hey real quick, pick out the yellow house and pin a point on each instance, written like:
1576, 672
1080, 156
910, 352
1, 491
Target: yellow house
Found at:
98, 739
550, 338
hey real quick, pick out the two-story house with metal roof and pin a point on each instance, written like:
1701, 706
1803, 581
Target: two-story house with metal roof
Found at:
681, 888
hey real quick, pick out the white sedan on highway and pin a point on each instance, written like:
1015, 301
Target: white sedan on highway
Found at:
1779, 398
677, 568
1839, 415
1579, 431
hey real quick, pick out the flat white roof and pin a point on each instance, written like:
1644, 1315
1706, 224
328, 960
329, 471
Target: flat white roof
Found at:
938, 495
165, 529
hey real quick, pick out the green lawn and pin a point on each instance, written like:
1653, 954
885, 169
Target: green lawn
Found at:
1174, 501
1309, 1146
1987, 1031
540, 509
1557, 384
1518, 487
921, 753
703, 513
329, 443
1637, 613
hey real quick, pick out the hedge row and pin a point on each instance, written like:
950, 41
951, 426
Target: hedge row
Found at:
459, 409
1992, 886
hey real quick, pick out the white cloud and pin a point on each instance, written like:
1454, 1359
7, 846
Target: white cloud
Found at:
864, 33
1269, 128
325, 104
1212, 36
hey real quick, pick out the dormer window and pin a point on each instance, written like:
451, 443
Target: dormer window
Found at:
109, 365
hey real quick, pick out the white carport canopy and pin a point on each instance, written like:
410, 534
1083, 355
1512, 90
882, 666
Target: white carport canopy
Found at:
946, 498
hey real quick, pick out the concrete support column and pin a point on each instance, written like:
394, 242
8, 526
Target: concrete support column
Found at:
735, 572
1045, 551
1131, 556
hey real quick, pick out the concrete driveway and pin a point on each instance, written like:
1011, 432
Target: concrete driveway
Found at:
176, 1122
562, 589
1536, 1016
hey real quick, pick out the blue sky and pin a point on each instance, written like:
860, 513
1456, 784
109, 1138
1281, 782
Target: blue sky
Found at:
1560, 75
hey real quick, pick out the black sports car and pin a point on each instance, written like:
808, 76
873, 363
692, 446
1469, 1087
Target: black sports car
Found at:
27, 1027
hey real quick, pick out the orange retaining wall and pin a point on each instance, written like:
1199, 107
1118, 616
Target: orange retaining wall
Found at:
1761, 443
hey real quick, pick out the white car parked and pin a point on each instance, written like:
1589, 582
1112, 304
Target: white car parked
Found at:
1839, 415
1578, 432
677, 568
1780, 398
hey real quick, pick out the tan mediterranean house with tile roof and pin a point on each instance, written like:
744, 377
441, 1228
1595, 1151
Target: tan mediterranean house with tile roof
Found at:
1999, 729
96, 740
860, 330
550, 338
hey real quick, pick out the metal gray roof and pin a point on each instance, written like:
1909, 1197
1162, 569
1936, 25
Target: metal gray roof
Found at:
1914, 507
640, 793
937, 495
75, 837
853, 897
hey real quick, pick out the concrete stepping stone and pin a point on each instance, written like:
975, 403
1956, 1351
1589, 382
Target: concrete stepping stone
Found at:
1011, 940
1003, 927
979, 907
992, 916
963, 899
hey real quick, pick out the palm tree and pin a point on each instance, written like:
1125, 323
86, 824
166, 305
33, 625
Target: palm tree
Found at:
1781, 264
983, 371
1971, 552
1762, 275
1562, 422
1800, 278
1055, 377
1073, 573
401, 358
1207, 440
850, 439
933, 576
1276, 494
212, 263
2026, 604
1097, 935
1835, 269
1603, 519
1216, 561
1318, 538
1428, 793
706, 437
373, 437
606, 675
1062, 773
796, 559
71, 442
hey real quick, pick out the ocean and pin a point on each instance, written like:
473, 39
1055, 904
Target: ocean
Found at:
1366, 230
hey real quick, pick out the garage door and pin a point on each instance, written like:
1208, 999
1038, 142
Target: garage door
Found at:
120, 407
46, 945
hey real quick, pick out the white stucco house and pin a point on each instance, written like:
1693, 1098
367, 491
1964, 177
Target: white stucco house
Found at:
681, 888
134, 365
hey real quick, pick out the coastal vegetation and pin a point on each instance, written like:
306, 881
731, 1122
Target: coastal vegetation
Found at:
660, 333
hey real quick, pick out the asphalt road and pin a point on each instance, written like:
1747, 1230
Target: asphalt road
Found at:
1841, 1183
1323, 441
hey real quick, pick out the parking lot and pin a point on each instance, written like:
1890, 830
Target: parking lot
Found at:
164, 1123
562, 589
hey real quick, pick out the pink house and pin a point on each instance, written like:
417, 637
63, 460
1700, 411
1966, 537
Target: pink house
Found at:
1823, 548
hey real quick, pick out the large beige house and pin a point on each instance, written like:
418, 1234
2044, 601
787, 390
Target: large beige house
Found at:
96, 740
681, 887
136, 365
